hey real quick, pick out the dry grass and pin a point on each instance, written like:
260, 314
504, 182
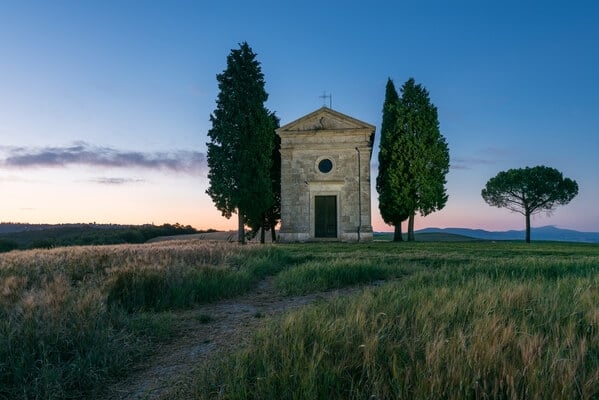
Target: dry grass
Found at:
66, 321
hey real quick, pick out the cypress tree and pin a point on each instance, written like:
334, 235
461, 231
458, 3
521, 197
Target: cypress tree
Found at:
394, 199
413, 157
270, 218
240, 151
273, 215
428, 152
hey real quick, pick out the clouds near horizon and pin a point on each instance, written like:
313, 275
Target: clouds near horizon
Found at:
83, 153
466, 163
115, 180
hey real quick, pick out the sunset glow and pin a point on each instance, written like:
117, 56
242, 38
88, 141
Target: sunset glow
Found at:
104, 107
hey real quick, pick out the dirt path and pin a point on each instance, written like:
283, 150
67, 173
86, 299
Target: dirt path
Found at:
203, 332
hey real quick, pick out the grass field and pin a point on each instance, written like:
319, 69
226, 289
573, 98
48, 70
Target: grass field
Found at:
465, 321
73, 318
454, 320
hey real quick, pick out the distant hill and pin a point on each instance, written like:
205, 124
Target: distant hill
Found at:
13, 227
428, 237
550, 233
27, 236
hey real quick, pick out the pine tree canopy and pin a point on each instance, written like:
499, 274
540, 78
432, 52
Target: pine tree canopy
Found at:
529, 191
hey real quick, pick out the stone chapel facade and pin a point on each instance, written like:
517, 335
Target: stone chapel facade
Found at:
325, 178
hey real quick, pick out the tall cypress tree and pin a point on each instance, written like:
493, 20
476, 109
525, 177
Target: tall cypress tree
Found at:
394, 198
273, 215
418, 120
270, 218
240, 151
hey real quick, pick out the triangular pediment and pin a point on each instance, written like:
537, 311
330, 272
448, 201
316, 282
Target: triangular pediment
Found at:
325, 119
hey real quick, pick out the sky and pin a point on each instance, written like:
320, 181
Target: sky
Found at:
105, 106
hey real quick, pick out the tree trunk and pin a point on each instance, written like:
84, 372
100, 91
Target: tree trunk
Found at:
411, 229
262, 235
240, 228
397, 234
527, 215
273, 234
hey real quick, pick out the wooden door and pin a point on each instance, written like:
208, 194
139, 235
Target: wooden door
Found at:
325, 216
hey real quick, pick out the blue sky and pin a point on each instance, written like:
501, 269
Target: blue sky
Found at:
105, 105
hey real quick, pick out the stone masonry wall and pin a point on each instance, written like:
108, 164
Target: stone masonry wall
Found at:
301, 181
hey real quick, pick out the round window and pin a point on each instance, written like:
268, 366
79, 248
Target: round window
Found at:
325, 166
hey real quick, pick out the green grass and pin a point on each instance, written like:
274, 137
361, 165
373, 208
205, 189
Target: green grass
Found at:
455, 320
154, 326
174, 288
72, 319
466, 321
318, 276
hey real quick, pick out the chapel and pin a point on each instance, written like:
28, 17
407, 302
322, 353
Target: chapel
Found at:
325, 178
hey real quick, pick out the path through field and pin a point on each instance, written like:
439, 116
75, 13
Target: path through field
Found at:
203, 332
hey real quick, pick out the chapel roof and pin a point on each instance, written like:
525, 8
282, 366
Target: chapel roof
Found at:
325, 119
